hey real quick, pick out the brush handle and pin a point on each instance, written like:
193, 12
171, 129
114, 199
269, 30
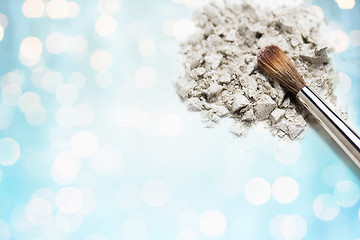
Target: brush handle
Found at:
343, 135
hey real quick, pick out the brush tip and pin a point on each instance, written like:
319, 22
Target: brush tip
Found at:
277, 65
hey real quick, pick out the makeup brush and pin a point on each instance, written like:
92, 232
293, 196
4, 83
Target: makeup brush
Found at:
274, 62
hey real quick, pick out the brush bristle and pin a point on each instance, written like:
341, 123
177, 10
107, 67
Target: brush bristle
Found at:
274, 62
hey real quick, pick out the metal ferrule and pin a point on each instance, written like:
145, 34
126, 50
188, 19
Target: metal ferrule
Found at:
343, 135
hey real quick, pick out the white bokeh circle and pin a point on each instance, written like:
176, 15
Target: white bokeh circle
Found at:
105, 26
347, 193
257, 191
101, 60
84, 144
326, 207
10, 151
69, 200
285, 190
213, 223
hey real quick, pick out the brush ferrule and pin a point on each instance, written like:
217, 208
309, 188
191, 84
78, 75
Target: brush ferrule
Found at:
337, 129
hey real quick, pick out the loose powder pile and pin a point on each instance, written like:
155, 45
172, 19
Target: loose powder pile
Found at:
221, 78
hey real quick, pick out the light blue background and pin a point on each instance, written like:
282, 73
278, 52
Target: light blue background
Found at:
189, 161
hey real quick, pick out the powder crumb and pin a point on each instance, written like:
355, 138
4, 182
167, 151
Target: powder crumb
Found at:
220, 77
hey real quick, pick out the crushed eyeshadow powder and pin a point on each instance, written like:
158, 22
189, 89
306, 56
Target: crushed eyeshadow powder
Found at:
220, 77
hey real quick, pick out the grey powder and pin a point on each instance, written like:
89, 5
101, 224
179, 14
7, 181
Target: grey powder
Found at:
220, 76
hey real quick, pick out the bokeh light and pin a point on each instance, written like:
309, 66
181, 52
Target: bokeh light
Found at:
326, 207
10, 151
212, 223
257, 191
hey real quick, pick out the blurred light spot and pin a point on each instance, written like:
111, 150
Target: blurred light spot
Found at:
147, 47
187, 235
56, 43
347, 193
107, 160
4, 230
36, 118
77, 79
101, 61
73, 9
30, 51
293, 227
346, 4
11, 78
19, 221
287, 153
188, 220
257, 191
69, 200
155, 193
169, 125
96, 236
51, 81
66, 94
39, 211
317, 11
10, 151
84, 144
11, 94
105, 26
103, 79
128, 197
326, 207
344, 85
355, 38
183, 29
285, 190
77, 44
133, 230
33, 8
85, 115
89, 202
108, 7
3, 20
30, 103
66, 165
288, 227
228, 185
68, 222
145, 77
1, 33
168, 27
212, 223
66, 116
339, 40
57, 9
6, 116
